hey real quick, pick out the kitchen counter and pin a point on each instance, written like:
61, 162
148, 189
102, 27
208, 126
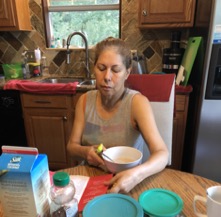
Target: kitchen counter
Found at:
34, 85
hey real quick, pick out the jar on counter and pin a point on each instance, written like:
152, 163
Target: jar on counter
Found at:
2, 80
63, 203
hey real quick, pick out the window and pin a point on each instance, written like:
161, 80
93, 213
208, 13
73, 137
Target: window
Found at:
97, 19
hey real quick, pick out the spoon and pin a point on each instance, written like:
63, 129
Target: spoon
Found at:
101, 152
107, 156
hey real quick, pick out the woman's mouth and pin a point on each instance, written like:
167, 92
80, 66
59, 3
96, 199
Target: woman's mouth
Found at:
106, 88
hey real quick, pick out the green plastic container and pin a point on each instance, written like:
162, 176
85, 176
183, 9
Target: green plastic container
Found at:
12, 71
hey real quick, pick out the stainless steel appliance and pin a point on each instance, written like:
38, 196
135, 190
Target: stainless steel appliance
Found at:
202, 153
138, 63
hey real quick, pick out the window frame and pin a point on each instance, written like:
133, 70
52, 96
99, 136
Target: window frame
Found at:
46, 9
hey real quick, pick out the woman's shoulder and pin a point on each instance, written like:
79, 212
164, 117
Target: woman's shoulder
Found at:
132, 92
136, 94
91, 92
138, 98
83, 99
87, 95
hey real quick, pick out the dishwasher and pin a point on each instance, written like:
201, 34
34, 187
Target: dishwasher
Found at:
12, 130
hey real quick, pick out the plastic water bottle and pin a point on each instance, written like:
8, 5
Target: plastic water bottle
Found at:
63, 203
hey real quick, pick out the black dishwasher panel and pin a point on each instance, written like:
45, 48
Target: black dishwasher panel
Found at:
12, 131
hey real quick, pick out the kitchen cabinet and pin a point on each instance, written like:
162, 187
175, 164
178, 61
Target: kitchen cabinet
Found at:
48, 123
14, 15
166, 14
179, 126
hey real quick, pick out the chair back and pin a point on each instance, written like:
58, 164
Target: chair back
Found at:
160, 90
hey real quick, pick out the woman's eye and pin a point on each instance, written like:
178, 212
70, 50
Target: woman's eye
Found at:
116, 69
101, 68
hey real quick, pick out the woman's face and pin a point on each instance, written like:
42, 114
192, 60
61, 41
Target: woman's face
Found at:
110, 73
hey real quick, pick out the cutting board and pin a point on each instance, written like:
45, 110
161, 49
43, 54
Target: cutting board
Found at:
188, 60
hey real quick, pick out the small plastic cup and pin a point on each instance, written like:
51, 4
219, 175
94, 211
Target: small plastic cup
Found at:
2, 80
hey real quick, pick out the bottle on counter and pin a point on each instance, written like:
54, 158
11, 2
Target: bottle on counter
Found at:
2, 80
43, 64
25, 66
37, 56
52, 42
58, 43
63, 203
172, 56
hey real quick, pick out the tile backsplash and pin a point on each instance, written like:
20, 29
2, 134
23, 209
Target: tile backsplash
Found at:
148, 42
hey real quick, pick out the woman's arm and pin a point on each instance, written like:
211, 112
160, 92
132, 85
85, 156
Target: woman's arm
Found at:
142, 119
74, 147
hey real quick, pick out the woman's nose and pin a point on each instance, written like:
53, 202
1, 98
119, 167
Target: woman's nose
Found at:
107, 76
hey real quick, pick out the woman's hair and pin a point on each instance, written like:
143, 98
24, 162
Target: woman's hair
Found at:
119, 45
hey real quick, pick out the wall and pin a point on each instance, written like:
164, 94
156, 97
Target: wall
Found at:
149, 42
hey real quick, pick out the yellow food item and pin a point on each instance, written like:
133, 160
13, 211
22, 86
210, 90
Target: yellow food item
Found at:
100, 148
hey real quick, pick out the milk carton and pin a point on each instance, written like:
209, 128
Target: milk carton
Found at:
24, 182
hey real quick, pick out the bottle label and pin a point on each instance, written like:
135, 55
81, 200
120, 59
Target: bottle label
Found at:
170, 66
72, 211
68, 210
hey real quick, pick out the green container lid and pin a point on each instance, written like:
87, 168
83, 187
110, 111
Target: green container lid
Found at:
160, 202
113, 205
61, 179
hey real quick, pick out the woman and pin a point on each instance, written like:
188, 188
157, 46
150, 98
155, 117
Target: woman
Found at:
116, 116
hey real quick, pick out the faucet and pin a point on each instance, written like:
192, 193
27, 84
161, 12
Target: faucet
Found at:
88, 75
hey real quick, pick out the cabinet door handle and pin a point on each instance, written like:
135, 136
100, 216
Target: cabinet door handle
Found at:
42, 101
144, 13
65, 118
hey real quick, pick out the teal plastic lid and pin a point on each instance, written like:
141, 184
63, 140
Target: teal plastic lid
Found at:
110, 205
159, 202
61, 179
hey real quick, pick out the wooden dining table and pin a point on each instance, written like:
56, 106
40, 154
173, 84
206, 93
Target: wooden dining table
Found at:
186, 185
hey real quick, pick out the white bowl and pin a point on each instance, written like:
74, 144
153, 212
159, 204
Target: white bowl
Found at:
124, 158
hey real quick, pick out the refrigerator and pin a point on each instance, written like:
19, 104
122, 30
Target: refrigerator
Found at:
202, 148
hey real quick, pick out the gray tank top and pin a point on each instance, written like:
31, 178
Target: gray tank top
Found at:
116, 131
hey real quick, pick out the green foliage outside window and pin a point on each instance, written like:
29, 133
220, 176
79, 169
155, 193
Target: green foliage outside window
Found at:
95, 24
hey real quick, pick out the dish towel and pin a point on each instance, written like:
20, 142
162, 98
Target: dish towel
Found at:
41, 88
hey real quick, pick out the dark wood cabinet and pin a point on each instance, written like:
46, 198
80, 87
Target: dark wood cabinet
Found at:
166, 14
15, 15
179, 125
48, 124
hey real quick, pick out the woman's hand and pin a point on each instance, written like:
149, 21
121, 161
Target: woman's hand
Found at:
93, 158
123, 182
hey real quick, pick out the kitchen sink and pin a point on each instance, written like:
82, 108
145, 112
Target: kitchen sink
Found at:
61, 80
88, 82
83, 84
